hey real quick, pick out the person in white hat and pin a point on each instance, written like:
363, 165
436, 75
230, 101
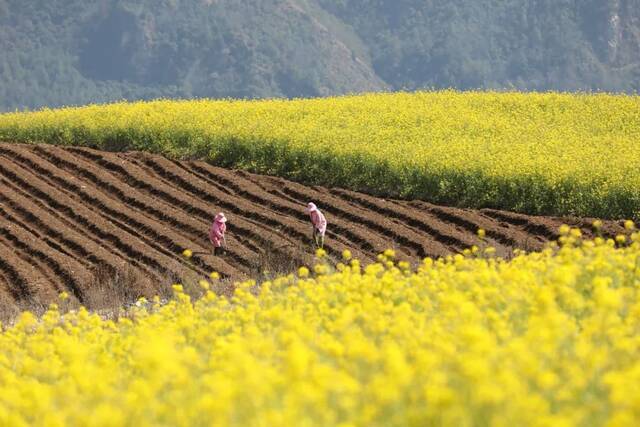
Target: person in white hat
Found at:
319, 223
216, 233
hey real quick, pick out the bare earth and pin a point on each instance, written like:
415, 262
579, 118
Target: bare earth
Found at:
69, 217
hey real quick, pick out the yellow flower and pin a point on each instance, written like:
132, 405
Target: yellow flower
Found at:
481, 233
214, 275
389, 253
346, 255
303, 272
477, 145
187, 253
459, 341
63, 296
319, 269
629, 225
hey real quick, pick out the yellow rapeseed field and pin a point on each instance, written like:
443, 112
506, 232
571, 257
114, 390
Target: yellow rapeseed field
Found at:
535, 153
545, 339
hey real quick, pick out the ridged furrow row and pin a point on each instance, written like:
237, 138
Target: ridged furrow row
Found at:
65, 201
122, 207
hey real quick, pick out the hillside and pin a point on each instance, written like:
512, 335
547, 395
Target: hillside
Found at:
534, 153
75, 52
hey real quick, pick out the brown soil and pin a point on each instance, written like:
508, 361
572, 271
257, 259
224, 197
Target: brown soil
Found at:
69, 217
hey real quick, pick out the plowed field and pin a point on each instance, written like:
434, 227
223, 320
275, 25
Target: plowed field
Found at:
73, 218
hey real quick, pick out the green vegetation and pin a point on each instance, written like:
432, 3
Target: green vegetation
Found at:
73, 52
534, 153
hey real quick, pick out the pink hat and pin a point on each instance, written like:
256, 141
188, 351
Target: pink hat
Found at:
221, 218
311, 207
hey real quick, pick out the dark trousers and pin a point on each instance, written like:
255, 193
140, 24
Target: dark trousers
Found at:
318, 238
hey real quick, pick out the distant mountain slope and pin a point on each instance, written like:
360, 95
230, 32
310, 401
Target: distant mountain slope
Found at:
59, 52
528, 45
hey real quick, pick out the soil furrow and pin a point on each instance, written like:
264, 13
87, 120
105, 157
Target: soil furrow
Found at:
11, 224
43, 197
73, 218
43, 226
48, 267
421, 219
259, 195
260, 210
93, 226
194, 205
279, 234
390, 232
18, 278
175, 199
113, 201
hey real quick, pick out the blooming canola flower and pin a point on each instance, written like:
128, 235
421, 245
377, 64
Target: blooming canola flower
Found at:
547, 338
530, 152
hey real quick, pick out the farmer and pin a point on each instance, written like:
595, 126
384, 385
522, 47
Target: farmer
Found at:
216, 233
319, 224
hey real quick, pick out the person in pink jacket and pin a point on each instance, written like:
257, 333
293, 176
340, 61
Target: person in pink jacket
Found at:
216, 233
319, 223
